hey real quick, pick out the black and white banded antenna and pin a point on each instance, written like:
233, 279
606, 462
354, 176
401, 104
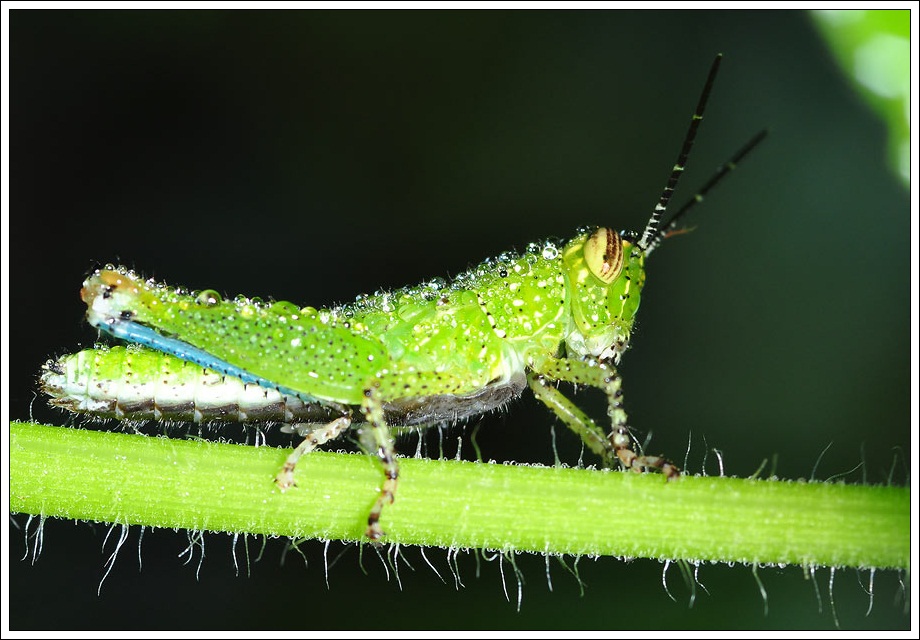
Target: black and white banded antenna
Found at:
670, 227
652, 234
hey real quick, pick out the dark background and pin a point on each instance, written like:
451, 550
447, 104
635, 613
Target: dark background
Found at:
313, 156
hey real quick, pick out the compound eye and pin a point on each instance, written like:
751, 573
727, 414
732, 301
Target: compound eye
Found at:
604, 254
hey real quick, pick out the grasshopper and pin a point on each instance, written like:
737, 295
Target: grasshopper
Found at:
433, 353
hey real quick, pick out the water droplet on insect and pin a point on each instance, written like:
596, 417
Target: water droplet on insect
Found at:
285, 308
208, 298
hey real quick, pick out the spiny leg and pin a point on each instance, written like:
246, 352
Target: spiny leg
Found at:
573, 417
316, 437
619, 442
378, 440
381, 443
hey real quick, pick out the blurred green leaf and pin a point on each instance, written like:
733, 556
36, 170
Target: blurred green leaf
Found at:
873, 48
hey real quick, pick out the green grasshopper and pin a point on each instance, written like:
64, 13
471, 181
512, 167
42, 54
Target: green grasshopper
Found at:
433, 353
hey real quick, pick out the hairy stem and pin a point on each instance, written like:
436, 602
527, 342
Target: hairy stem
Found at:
161, 482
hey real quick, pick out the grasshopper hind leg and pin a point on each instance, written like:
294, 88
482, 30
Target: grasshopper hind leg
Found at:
376, 439
379, 441
314, 438
615, 447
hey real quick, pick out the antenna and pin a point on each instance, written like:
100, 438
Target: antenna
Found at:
670, 227
652, 234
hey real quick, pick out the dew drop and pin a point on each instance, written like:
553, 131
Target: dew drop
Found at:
208, 298
285, 308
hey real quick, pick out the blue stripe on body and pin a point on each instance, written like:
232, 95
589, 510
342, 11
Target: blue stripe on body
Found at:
131, 331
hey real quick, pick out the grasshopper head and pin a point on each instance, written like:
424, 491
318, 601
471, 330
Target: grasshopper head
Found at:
605, 274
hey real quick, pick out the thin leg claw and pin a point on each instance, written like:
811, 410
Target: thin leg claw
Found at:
621, 442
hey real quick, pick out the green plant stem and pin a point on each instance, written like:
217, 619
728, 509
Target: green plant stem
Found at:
192, 484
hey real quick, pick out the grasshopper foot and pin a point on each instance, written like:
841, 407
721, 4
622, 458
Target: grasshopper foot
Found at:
374, 533
285, 477
631, 460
